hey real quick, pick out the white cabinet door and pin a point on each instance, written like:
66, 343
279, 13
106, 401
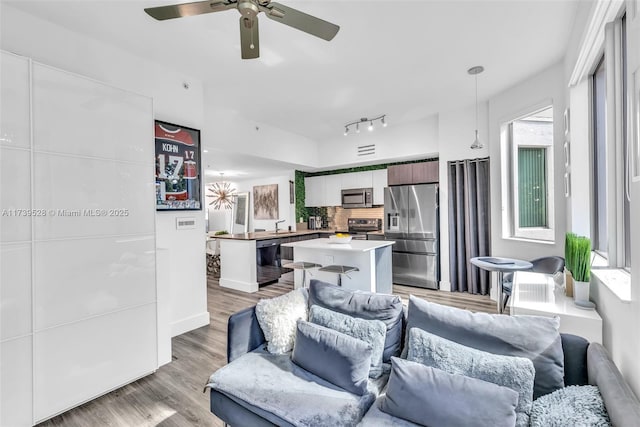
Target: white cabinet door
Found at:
356, 180
15, 244
314, 191
379, 183
332, 190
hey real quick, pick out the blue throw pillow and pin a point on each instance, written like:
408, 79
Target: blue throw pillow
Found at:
335, 357
364, 305
571, 406
372, 332
534, 337
512, 372
429, 396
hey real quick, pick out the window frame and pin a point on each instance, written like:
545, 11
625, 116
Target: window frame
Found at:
510, 177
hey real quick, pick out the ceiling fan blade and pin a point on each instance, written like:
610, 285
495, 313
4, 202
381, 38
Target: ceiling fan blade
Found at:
162, 13
249, 38
300, 20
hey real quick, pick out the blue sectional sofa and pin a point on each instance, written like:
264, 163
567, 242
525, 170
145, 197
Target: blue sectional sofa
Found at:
257, 388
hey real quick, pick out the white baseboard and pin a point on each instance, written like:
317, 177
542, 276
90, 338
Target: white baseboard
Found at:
189, 324
239, 286
445, 286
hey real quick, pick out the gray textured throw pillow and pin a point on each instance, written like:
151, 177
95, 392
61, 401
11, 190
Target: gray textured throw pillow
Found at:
422, 394
534, 337
372, 332
333, 356
570, 406
364, 305
512, 372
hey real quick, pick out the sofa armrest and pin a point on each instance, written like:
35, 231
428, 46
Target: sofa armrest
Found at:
622, 405
243, 333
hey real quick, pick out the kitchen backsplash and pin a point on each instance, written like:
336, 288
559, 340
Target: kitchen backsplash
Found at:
338, 217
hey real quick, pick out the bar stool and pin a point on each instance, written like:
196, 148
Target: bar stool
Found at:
304, 266
340, 270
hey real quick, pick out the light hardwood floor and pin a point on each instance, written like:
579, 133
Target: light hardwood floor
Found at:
173, 395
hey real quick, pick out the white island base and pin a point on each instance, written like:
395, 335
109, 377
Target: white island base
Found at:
372, 258
238, 265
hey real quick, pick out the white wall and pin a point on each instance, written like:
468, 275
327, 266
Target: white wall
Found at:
229, 131
545, 86
53, 45
286, 210
456, 133
409, 140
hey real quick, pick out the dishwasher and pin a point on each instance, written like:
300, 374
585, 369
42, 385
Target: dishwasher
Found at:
268, 265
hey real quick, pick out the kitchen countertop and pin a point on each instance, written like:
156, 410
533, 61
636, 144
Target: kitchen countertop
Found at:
353, 246
265, 235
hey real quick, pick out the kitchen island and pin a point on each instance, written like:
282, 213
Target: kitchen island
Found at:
372, 258
248, 260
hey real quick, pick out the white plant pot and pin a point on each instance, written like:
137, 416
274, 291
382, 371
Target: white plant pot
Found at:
581, 291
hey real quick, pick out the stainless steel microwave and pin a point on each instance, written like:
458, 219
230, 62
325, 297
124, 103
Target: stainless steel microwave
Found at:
357, 198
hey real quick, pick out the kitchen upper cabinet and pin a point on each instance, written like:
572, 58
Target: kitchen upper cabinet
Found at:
414, 173
425, 172
379, 179
314, 191
326, 190
332, 190
356, 180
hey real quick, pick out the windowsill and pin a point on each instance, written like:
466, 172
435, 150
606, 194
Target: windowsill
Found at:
523, 239
617, 280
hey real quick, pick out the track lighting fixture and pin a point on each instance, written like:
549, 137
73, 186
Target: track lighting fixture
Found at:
347, 127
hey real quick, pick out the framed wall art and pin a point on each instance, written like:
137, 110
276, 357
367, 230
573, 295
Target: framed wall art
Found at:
265, 201
177, 167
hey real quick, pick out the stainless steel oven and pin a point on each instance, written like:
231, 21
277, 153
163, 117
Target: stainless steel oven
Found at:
359, 227
357, 198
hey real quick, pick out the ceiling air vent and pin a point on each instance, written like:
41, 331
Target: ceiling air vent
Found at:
367, 150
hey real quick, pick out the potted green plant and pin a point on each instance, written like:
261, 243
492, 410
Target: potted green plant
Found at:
581, 267
569, 242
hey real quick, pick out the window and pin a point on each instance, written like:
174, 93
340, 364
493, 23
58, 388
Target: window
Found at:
626, 150
529, 181
599, 241
611, 168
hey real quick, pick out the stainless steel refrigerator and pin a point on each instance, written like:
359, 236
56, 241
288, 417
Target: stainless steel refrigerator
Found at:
411, 218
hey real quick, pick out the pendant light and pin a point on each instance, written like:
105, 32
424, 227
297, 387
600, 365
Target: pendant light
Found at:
474, 71
222, 194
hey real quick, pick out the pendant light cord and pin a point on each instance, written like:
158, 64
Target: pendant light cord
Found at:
476, 102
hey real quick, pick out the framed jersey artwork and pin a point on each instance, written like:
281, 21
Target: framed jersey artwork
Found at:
177, 167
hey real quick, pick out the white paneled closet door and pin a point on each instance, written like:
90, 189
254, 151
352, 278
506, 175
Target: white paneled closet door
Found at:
87, 307
16, 380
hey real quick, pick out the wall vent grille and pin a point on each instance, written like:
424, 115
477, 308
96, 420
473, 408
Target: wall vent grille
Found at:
185, 223
367, 150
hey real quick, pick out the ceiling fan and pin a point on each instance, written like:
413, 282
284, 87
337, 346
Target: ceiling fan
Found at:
249, 10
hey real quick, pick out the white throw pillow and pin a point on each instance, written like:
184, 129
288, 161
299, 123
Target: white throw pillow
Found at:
278, 316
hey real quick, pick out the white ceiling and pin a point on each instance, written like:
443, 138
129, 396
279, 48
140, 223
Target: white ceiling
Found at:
406, 59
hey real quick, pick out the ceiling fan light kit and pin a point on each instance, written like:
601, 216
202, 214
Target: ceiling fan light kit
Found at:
474, 71
370, 127
249, 10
